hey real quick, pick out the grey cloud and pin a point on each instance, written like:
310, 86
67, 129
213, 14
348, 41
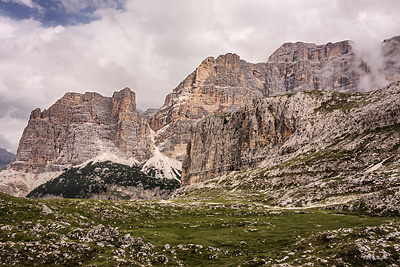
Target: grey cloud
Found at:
14, 110
4, 143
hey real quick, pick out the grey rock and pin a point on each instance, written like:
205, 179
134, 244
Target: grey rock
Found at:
79, 127
272, 130
226, 83
46, 210
102, 233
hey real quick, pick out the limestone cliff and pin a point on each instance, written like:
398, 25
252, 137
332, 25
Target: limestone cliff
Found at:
391, 58
271, 130
224, 83
79, 127
296, 67
227, 83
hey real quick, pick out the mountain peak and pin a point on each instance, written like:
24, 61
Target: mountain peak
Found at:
79, 127
292, 52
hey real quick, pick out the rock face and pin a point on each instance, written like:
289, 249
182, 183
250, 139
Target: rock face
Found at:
226, 83
79, 127
297, 67
391, 57
271, 130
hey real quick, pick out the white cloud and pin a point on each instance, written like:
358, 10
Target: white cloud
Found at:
152, 45
9, 137
27, 3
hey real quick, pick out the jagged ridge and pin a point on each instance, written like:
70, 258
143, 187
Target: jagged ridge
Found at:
80, 127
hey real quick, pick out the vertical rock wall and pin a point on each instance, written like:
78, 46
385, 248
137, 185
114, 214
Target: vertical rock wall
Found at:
79, 127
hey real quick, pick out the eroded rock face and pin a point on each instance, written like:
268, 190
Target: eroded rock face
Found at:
217, 85
271, 130
297, 67
227, 83
391, 54
79, 127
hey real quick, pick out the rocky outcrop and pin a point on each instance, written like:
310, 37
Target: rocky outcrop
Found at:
271, 130
79, 127
297, 67
227, 83
391, 58
218, 84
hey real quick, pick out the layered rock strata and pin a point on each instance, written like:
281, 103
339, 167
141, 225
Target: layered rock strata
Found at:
271, 130
391, 59
297, 67
226, 83
79, 127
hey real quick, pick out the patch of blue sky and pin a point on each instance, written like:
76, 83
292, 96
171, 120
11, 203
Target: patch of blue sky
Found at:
51, 13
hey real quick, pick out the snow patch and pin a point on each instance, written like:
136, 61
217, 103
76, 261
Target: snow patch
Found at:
161, 131
375, 167
108, 156
182, 99
19, 183
163, 166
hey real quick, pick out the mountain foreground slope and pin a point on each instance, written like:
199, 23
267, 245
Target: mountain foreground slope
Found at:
67, 232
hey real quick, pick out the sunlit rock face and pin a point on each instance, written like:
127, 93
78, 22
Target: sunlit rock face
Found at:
218, 84
227, 83
79, 127
271, 130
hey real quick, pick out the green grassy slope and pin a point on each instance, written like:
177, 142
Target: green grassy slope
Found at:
182, 233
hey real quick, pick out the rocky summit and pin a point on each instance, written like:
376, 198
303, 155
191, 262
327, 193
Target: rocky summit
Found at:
226, 83
79, 127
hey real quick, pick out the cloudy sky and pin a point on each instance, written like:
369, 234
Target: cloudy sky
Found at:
49, 47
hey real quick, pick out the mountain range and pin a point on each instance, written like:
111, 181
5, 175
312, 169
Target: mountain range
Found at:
5, 158
306, 102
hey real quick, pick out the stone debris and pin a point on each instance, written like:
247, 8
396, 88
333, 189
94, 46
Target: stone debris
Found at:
46, 210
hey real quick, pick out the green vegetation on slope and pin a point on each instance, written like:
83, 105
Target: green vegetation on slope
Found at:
106, 179
68, 232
